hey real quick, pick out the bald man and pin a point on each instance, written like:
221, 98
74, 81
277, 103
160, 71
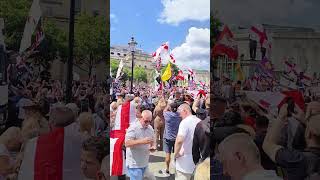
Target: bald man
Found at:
139, 141
241, 158
298, 164
183, 145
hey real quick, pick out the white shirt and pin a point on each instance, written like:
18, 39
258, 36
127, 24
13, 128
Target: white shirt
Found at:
187, 126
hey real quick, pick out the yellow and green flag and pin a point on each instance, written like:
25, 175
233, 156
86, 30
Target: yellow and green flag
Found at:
167, 73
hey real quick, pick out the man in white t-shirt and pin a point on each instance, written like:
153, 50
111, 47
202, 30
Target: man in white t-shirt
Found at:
183, 145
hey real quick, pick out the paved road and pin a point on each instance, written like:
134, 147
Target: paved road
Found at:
157, 163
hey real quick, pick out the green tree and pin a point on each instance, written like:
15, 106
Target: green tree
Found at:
15, 14
174, 69
215, 25
139, 74
91, 41
114, 67
54, 45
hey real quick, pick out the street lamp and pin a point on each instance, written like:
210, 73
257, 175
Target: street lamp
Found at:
132, 45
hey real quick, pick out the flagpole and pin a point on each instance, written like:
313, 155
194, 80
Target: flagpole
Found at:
70, 58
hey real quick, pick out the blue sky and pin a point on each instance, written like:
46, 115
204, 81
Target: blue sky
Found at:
140, 18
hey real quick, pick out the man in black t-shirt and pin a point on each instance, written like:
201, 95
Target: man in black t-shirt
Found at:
298, 165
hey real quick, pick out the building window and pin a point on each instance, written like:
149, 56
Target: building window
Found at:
112, 52
124, 54
77, 6
145, 66
95, 13
118, 54
49, 11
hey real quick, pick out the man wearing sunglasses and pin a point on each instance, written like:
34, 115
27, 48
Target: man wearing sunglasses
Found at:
139, 141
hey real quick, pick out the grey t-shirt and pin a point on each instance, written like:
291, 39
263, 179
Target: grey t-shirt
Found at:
138, 156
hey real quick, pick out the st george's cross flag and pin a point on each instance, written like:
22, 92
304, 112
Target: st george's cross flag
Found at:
31, 25
172, 59
180, 75
53, 156
125, 116
226, 45
162, 50
272, 101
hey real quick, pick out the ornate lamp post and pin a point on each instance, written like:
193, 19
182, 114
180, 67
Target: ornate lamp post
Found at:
132, 45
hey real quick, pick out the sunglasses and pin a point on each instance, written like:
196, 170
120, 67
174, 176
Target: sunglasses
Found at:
147, 121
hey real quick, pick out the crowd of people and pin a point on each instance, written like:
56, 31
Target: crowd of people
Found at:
65, 140
234, 135
251, 142
171, 120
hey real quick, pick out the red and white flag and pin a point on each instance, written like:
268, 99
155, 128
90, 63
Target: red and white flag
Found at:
273, 100
125, 116
172, 59
31, 24
226, 45
38, 38
55, 155
161, 51
261, 33
292, 69
190, 71
202, 84
180, 75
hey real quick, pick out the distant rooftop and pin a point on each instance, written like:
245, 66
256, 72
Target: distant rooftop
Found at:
275, 28
125, 48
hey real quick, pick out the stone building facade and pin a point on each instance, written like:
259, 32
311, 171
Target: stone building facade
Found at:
300, 45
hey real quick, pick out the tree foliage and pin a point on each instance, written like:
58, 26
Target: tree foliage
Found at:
174, 69
139, 74
91, 40
215, 25
15, 14
54, 44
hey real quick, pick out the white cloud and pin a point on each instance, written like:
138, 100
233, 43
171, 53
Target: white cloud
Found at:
114, 18
195, 51
177, 11
248, 12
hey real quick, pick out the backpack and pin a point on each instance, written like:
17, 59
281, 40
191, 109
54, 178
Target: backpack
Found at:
313, 164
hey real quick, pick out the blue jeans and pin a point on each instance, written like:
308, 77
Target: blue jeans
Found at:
136, 173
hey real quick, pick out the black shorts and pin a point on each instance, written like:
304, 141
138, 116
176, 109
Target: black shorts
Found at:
168, 145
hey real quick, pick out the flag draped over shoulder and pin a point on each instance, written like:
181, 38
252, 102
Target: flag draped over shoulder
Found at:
167, 73
52, 156
226, 45
124, 117
31, 24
